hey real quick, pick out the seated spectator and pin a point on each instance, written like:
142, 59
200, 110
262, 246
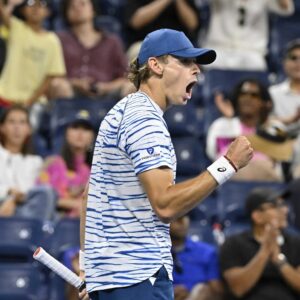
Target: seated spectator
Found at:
144, 16
286, 98
239, 31
196, 270
95, 60
69, 172
262, 263
251, 104
20, 169
34, 55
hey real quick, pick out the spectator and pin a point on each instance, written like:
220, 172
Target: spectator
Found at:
95, 60
196, 268
239, 32
262, 263
144, 16
251, 104
20, 168
286, 96
34, 55
69, 172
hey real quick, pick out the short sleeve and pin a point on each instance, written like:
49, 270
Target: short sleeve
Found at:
148, 144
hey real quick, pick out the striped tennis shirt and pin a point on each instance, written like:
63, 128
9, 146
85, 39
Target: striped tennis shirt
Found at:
125, 242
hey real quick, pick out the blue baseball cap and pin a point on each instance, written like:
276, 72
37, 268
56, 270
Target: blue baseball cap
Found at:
173, 42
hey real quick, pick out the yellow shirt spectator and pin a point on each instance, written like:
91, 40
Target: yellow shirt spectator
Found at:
30, 59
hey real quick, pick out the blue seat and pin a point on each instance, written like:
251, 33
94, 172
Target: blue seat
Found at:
191, 159
201, 232
64, 109
224, 81
66, 234
109, 23
184, 121
236, 228
19, 239
22, 282
207, 212
232, 196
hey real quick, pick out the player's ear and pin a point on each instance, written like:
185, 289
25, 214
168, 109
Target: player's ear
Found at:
155, 66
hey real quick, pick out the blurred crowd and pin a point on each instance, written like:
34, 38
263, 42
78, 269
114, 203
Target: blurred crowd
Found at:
63, 65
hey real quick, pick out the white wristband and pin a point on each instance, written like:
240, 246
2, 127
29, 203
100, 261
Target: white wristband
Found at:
81, 260
221, 170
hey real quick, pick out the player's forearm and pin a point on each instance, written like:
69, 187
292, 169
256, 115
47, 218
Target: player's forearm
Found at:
242, 279
83, 217
146, 14
180, 198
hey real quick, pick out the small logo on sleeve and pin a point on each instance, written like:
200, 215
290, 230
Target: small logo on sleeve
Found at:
150, 150
150, 153
221, 169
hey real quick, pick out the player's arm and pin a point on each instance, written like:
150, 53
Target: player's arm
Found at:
83, 295
171, 201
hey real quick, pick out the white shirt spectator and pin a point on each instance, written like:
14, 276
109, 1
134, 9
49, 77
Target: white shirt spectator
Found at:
18, 171
239, 32
286, 101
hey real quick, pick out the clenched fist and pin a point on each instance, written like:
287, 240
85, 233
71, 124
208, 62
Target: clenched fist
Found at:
240, 152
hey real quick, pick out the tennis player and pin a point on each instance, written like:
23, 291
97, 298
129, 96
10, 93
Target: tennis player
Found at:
132, 197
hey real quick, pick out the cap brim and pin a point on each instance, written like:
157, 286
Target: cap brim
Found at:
203, 56
81, 123
278, 151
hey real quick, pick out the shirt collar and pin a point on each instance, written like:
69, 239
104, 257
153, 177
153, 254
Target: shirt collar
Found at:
155, 105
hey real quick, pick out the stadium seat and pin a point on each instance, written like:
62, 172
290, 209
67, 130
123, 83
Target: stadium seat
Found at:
232, 196
110, 24
19, 239
201, 232
184, 121
235, 228
223, 81
64, 109
66, 234
190, 155
22, 282
207, 212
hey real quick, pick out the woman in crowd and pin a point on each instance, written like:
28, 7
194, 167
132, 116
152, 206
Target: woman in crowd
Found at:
69, 172
20, 168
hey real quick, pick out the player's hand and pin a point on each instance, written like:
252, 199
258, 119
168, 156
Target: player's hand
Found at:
83, 295
240, 152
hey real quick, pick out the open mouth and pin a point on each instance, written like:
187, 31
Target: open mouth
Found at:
189, 89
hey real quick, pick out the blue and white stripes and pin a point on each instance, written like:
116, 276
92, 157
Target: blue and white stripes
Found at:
125, 242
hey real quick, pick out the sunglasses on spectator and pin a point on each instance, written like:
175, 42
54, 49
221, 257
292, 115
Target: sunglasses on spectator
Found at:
278, 204
294, 57
249, 93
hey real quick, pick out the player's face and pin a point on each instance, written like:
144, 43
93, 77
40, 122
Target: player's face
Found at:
180, 75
